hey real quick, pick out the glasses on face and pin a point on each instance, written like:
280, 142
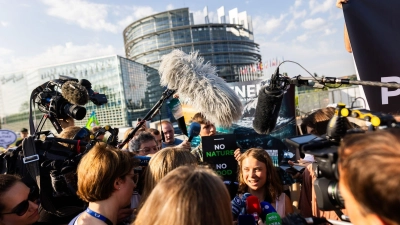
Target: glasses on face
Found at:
148, 150
23, 207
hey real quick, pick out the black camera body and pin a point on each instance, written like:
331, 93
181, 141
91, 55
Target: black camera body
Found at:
325, 151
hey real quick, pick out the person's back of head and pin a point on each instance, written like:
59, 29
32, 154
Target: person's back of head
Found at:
162, 163
187, 196
369, 176
318, 121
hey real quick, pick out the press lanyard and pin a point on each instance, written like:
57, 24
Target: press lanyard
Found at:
99, 216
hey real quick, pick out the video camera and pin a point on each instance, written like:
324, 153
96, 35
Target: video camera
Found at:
68, 103
325, 151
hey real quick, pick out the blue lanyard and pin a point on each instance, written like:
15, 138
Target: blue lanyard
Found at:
99, 216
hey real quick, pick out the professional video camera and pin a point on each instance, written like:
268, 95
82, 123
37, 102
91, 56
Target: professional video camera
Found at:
325, 151
47, 164
68, 103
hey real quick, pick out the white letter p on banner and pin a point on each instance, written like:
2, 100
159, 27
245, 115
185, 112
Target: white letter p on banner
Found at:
385, 92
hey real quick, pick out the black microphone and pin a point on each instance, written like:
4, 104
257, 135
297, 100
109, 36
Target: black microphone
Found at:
268, 105
74, 93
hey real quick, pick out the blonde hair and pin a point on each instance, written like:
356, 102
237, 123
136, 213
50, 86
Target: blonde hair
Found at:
162, 163
98, 170
188, 196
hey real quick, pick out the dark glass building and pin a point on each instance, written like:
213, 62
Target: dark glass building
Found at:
228, 46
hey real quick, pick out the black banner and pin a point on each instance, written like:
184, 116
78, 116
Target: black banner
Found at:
374, 31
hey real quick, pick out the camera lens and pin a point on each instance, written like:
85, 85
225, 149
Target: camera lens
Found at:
75, 111
334, 195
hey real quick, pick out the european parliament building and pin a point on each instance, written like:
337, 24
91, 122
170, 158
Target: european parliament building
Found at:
228, 44
132, 89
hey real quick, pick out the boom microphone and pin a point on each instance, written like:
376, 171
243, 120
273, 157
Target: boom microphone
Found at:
268, 105
199, 86
74, 93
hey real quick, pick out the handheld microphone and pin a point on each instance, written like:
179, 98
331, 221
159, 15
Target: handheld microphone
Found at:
266, 208
198, 85
176, 109
253, 207
268, 105
74, 93
239, 204
246, 220
144, 160
273, 218
194, 130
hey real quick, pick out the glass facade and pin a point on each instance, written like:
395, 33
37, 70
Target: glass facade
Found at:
226, 46
131, 89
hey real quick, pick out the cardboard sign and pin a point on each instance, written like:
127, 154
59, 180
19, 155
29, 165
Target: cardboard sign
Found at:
218, 152
7, 137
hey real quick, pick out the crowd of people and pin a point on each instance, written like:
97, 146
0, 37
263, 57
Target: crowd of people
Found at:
175, 189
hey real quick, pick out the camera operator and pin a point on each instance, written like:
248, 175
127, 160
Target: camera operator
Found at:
370, 176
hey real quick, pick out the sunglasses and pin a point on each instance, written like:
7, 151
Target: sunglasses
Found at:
23, 207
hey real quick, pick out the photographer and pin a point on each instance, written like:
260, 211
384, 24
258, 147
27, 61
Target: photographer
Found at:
369, 176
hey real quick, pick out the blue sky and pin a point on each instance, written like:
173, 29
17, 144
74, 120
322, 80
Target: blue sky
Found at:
35, 33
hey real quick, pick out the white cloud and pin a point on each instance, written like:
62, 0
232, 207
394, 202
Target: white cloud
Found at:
55, 55
297, 3
302, 38
135, 13
328, 31
86, 14
300, 14
198, 17
4, 24
317, 7
5, 51
260, 26
170, 7
313, 23
291, 26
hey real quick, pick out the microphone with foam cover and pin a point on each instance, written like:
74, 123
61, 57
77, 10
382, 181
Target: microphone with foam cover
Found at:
268, 105
74, 93
199, 86
194, 130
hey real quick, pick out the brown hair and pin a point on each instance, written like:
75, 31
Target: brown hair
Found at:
163, 162
98, 170
369, 168
154, 131
273, 185
69, 133
187, 196
7, 181
318, 120
199, 118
